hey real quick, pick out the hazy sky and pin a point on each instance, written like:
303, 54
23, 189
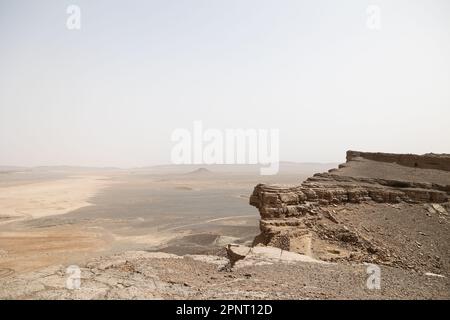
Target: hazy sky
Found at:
112, 93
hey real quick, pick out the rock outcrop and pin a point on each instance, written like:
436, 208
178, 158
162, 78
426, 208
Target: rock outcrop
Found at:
426, 161
240, 256
327, 215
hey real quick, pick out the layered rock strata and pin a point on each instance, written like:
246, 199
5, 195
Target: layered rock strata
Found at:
320, 217
426, 161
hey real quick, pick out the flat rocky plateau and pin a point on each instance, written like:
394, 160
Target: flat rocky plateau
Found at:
145, 275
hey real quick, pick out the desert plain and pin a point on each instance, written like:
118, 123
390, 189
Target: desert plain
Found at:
52, 215
375, 227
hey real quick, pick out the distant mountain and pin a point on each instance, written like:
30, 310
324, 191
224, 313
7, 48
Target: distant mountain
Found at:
285, 167
12, 169
73, 168
200, 172
56, 169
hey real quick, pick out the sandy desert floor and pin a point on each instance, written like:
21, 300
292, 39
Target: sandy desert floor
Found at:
53, 197
52, 217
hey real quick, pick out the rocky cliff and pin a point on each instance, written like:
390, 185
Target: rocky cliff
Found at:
373, 208
426, 161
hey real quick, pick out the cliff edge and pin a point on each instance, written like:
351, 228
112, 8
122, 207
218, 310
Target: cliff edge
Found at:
389, 209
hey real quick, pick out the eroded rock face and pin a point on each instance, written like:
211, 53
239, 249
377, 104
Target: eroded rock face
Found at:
426, 161
323, 189
309, 218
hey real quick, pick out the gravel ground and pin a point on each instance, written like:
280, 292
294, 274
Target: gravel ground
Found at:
145, 275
